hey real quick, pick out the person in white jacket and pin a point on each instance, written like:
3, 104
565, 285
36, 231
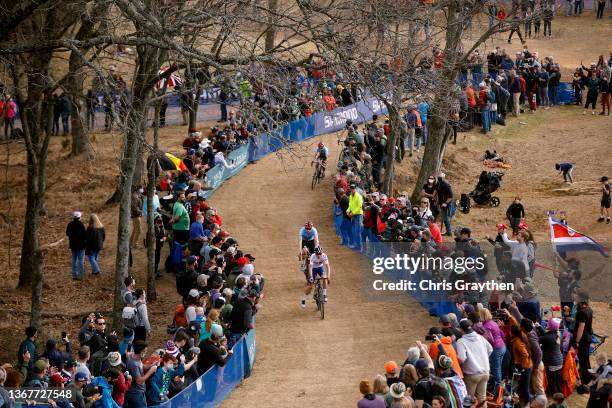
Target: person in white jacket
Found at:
521, 252
473, 351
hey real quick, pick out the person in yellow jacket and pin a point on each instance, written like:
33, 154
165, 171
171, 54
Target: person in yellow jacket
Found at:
355, 212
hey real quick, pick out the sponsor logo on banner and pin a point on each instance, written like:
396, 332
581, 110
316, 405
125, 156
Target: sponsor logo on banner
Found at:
339, 118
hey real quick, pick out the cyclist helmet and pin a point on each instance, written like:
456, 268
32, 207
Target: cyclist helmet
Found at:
349, 122
318, 250
308, 225
321, 144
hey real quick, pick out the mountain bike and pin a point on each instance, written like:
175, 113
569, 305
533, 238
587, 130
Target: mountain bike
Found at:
319, 298
318, 174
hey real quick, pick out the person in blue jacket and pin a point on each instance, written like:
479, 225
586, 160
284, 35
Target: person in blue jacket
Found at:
105, 386
157, 392
565, 169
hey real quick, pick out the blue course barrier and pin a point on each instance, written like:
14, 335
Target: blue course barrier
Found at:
435, 302
214, 386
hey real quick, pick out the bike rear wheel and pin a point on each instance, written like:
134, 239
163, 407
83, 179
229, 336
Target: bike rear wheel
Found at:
322, 303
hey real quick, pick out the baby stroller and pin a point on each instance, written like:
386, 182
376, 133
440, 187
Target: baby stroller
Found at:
488, 182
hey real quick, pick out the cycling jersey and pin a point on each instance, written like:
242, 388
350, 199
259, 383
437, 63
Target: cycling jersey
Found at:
318, 262
322, 152
306, 235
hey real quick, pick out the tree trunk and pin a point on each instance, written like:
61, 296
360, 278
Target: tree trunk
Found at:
394, 139
135, 126
135, 132
271, 30
432, 158
193, 109
81, 144
37, 148
441, 106
151, 239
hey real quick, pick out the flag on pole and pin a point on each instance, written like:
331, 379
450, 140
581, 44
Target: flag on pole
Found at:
566, 239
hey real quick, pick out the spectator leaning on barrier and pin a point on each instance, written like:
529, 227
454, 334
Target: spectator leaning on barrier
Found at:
355, 212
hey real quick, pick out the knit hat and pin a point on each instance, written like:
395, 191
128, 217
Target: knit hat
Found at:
171, 348
445, 362
391, 367
554, 323
39, 366
114, 358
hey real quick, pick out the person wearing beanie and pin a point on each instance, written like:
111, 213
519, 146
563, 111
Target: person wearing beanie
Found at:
473, 352
441, 344
37, 378
28, 346
369, 400
551, 355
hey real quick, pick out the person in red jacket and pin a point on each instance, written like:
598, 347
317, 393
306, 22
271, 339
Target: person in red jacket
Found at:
10, 111
436, 234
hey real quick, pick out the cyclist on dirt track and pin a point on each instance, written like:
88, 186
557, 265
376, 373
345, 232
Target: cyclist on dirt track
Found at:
309, 238
322, 153
317, 269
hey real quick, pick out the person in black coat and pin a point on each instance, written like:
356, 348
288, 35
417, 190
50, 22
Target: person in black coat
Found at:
552, 357
212, 353
94, 242
241, 316
56, 357
78, 242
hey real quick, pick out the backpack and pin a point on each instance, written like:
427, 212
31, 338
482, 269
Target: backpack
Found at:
97, 359
438, 386
464, 204
130, 317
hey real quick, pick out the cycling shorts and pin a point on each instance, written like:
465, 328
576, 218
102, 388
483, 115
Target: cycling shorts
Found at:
318, 272
310, 244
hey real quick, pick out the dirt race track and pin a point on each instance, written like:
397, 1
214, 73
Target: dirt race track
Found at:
303, 361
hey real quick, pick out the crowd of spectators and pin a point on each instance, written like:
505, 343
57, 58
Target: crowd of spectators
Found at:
216, 280
495, 353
